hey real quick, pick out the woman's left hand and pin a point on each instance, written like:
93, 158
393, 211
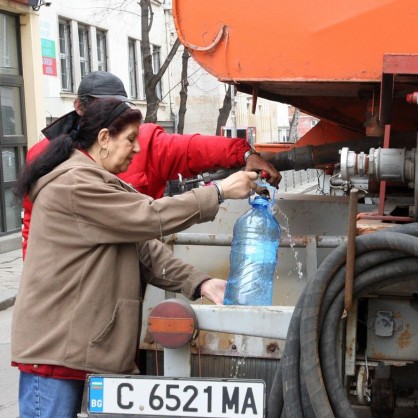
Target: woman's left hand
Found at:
214, 290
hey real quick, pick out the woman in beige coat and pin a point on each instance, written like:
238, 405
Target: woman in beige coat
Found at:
93, 238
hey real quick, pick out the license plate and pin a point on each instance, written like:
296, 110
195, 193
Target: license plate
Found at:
176, 397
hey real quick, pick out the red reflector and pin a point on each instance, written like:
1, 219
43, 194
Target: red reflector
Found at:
172, 323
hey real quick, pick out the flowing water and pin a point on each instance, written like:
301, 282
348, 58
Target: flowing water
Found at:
238, 364
285, 227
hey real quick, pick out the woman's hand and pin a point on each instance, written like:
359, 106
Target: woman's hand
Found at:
214, 290
256, 162
240, 185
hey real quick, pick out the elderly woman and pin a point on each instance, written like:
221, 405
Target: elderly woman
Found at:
93, 238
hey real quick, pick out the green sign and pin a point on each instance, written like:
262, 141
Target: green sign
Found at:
48, 48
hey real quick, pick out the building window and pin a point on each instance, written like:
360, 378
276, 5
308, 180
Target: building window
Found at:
84, 47
132, 65
9, 63
83, 57
101, 50
65, 55
13, 141
142, 87
156, 64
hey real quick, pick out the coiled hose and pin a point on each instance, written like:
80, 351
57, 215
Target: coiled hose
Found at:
307, 383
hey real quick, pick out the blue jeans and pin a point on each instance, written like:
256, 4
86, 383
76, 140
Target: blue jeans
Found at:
46, 397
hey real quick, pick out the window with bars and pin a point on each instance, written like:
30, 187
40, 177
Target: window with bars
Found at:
9, 62
132, 65
142, 87
101, 50
65, 55
156, 64
77, 51
84, 49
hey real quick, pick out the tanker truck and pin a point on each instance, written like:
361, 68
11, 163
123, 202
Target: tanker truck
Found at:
341, 339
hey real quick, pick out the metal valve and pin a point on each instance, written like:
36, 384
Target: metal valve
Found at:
264, 175
204, 177
381, 164
207, 178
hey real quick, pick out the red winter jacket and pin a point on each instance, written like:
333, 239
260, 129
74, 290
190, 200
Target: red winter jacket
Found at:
161, 158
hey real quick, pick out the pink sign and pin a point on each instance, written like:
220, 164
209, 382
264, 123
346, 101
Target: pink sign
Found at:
49, 66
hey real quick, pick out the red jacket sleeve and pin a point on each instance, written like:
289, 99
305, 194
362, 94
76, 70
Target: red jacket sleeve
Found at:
163, 156
27, 204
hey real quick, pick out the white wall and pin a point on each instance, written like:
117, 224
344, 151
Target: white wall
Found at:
119, 24
267, 118
205, 96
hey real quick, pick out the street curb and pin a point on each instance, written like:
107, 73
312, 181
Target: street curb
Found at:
10, 242
7, 303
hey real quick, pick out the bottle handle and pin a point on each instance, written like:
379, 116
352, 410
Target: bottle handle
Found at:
271, 190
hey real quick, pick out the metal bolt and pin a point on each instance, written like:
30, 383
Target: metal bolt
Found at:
272, 347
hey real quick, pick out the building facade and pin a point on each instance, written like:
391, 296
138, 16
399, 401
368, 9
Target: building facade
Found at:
46, 48
88, 35
82, 36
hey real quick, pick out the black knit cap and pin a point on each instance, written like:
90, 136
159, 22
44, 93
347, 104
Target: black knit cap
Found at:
102, 84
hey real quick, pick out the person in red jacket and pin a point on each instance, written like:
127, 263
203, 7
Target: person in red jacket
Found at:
163, 156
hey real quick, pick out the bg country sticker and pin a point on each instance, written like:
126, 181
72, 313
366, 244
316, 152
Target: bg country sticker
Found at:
96, 394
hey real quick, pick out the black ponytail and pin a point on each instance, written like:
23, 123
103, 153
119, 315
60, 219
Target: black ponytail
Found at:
57, 151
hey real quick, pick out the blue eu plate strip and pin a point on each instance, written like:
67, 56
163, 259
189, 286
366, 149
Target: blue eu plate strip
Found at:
96, 394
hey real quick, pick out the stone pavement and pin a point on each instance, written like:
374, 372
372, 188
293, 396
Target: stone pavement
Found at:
11, 265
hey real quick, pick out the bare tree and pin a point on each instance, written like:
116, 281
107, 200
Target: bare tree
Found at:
151, 79
225, 110
183, 90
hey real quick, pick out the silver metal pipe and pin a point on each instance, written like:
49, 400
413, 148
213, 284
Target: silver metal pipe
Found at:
224, 240
258, 321
382, 164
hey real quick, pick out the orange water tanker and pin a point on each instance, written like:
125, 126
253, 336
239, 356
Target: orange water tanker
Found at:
348, 63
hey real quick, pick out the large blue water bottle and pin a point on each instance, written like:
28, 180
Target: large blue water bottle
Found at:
253, 257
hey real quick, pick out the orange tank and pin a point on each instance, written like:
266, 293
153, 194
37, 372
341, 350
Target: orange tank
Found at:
328, 58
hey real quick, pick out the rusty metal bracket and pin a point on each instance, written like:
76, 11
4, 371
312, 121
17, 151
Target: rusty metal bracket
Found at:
351, 250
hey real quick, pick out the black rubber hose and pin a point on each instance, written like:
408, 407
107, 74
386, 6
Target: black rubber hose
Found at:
290, 369
302, 158
335, 291
382, 276
380, 260
291, 359
311, 156
310, 362
275, 400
